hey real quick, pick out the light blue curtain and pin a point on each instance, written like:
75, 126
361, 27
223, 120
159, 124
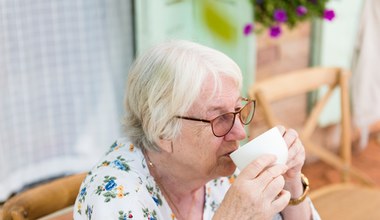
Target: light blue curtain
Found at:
62, 70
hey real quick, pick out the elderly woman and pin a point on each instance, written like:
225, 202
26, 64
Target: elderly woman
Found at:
185, 115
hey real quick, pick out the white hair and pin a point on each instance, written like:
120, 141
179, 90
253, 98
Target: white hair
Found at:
164, 82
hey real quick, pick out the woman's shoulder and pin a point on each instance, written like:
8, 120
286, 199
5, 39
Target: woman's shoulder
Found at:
120, 143
121, 168
123, 161
121, 177
113, 194
122, 156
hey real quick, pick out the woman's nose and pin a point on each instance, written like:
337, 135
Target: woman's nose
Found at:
237, 131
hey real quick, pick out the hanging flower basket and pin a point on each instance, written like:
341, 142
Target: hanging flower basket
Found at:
273, 15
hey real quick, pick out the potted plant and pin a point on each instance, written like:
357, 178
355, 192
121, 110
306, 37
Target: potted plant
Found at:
272, 15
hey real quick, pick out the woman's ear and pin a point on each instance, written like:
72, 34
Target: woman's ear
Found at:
166, 145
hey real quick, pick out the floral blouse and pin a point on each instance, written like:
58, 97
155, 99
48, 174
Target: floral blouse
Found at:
121, 187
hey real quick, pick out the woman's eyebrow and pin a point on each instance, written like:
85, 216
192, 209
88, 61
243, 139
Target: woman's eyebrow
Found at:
218, 107
215, 109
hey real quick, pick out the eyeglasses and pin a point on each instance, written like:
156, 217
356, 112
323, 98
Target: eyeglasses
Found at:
223, 124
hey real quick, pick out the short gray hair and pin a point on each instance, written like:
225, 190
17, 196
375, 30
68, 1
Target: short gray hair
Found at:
164, 82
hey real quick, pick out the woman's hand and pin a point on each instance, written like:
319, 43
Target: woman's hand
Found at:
296, 160
293, 184
257, 193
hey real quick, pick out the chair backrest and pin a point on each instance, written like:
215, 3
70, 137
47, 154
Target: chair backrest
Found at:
290, 84
43, 199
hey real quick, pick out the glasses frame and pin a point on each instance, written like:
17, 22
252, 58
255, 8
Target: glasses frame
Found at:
233, 121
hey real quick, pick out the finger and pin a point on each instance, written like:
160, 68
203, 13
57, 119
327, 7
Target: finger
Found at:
296, 151
281, 201
257, 166
268, 175
290, 136
274, 187
282, 129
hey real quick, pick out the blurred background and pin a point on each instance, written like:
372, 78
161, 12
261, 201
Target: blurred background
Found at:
63, 66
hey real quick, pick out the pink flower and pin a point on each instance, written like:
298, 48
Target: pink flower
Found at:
280, 15
329, 14
301, 10
248, 28
275, 31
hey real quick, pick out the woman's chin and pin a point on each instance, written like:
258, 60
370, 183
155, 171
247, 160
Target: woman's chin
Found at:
227, 166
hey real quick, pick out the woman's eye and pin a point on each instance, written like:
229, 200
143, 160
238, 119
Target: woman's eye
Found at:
224, 118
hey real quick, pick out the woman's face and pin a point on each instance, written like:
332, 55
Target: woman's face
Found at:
199, 153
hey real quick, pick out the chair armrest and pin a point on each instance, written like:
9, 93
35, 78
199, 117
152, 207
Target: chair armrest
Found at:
43, 199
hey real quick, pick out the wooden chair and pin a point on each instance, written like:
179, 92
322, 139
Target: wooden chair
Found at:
347, 201
43, 199
340, 198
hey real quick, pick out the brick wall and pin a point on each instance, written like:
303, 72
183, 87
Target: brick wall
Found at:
288, 52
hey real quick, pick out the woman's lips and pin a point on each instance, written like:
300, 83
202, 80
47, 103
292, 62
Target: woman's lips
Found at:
228, 153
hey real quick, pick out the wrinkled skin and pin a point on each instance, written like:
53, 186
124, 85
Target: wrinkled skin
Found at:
263, 189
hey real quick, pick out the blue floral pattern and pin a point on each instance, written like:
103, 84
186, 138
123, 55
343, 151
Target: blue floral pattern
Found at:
121, 187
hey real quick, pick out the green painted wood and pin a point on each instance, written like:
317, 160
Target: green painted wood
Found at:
215, 23
333, 45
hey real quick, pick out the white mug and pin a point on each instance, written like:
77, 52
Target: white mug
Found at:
270, 142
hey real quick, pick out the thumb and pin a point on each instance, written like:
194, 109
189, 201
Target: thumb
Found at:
253, 169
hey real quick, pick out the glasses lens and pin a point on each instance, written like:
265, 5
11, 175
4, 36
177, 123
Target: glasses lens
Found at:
246, 113
222, 124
